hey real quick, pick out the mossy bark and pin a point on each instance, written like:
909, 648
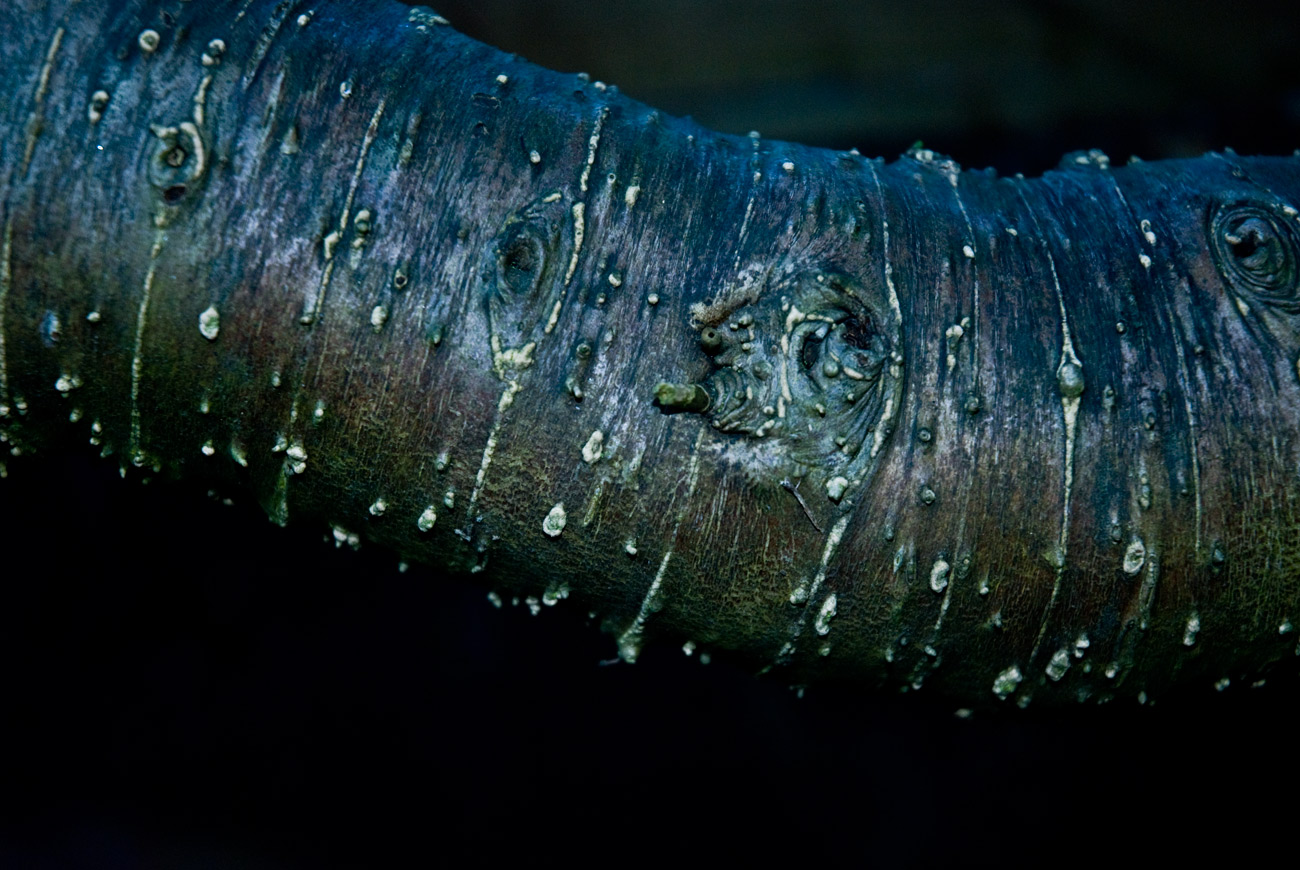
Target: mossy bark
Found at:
1012, 438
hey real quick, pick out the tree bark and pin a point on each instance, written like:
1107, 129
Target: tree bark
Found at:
1010, 438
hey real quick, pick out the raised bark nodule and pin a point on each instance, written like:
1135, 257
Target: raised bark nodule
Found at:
1010, 438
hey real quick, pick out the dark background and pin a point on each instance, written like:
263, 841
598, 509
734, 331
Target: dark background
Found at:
183, 684
1007, 84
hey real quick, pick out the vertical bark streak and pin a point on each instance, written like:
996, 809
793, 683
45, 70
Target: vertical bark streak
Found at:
36, 119
592, 145
6, 281
579, 234
808, 591
525, 354
629, 642
1143, 226
975, 285
489, 449
755, 175
739, 569
579, 214
943, 606
332, 240
265, 39
137, 357
1192, 425
886, 420
1145, 546
968, 480
1070, 416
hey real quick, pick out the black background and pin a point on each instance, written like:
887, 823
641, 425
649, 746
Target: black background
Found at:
183, 684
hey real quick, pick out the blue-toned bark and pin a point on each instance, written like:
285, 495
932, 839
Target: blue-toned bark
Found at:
1012, 438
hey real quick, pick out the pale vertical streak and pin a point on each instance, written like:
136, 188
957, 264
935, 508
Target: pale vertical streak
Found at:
6, 279
264, 39
137, 356
1123, 200
1192, 426
975, 287
579, 233
489, 448
887, 415
513, 387
1070, 415
953, 179
1192, 422
807, 591
38, 99
330, 242
749, 204
366, 141
943, 605
592, 144
579, 214
201, 99
629, 642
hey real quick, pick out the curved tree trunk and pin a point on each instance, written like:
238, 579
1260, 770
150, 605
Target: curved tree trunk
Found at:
1008, 437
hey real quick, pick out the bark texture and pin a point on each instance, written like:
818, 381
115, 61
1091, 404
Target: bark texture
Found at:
1012, 438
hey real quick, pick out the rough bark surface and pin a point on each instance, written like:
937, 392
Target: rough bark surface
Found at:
1012, 438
